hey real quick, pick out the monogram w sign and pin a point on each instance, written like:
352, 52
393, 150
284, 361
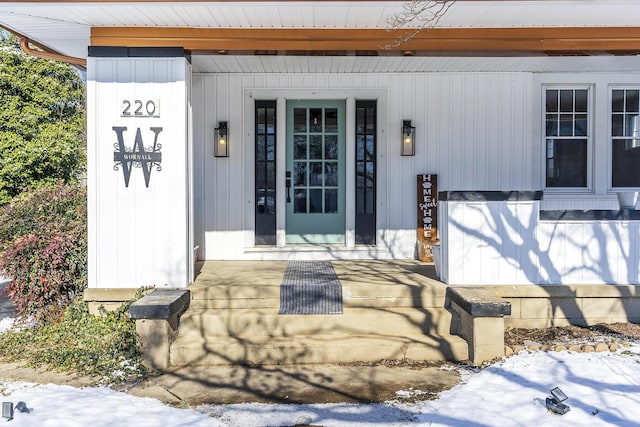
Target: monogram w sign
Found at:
137, 156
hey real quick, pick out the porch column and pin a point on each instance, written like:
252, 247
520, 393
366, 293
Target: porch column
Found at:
139, 169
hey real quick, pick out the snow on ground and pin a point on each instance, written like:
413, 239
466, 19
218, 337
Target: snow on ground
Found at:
603, 389
5, 324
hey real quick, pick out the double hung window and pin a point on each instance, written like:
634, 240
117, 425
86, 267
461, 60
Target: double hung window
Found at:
625, 138
567, 137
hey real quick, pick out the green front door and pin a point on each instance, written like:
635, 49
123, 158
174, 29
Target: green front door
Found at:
315, 172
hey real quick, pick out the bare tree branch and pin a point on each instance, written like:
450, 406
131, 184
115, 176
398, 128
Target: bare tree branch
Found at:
415, 16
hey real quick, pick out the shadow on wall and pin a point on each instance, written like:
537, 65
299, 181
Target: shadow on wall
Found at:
512, 242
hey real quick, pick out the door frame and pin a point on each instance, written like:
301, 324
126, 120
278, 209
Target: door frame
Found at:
281, 95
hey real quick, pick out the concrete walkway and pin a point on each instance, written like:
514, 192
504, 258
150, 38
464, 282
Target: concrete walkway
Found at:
295, 384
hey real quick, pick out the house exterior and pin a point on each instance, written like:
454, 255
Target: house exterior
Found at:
238, 130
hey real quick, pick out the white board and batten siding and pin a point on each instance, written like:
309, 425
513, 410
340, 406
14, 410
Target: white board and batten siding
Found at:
472, 129
139, 235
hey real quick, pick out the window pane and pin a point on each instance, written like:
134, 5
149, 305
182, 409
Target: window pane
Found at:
566, 124
315, 119
617, 101
299, 120
300, 150
633, 126
331, 120
315, 147
315, 174
552, 101
331, 174
300, 201
566, 100
315, 201
581, 101
299, 173
581, 125
626, 158
552, 125
632, 101
270, 203
331, 201
617, 125
567, 163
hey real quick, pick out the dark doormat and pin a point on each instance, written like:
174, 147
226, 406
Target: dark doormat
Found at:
310, 287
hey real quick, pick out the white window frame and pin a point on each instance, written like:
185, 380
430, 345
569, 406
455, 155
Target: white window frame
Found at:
610, 137
588, 189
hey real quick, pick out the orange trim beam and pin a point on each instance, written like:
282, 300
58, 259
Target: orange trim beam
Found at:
538, 39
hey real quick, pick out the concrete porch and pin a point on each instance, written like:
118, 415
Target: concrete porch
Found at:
392, 310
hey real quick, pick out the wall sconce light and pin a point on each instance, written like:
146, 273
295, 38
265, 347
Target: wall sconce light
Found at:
408, 138
221, 135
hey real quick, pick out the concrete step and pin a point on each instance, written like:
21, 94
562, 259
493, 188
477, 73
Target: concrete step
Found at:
267, 322
314, 349
354, 294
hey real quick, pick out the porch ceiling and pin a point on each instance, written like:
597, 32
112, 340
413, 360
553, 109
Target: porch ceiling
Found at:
389, 64
65, 26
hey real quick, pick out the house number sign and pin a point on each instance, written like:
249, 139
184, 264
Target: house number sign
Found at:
427, 231
140, 108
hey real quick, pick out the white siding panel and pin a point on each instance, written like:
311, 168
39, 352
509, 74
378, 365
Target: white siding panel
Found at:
128, 225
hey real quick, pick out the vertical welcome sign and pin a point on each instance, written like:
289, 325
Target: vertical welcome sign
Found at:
427, 202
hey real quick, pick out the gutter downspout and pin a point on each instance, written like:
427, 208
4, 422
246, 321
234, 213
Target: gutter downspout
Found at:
24, 44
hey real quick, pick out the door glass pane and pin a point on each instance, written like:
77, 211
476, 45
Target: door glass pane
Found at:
360, 124
359, 202
261, 147
299, 174
370, 174
315, 147
270, 202
261, 120
315, 174
360, 147
300, 147
360, 174
331, 201
300, 201
331, 147
260, 175
331, 174
370, 120
271, 147
315, 201
271, 174
299, 120
371, 147
370, 201
271, 120
331, 120
315, 120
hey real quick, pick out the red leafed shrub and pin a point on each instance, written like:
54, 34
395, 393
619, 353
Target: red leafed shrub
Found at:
43, 249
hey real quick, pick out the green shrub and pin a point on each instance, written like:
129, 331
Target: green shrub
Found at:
103, 347
43, 249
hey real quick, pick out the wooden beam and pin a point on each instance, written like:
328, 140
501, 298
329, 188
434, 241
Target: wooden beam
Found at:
537, 39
